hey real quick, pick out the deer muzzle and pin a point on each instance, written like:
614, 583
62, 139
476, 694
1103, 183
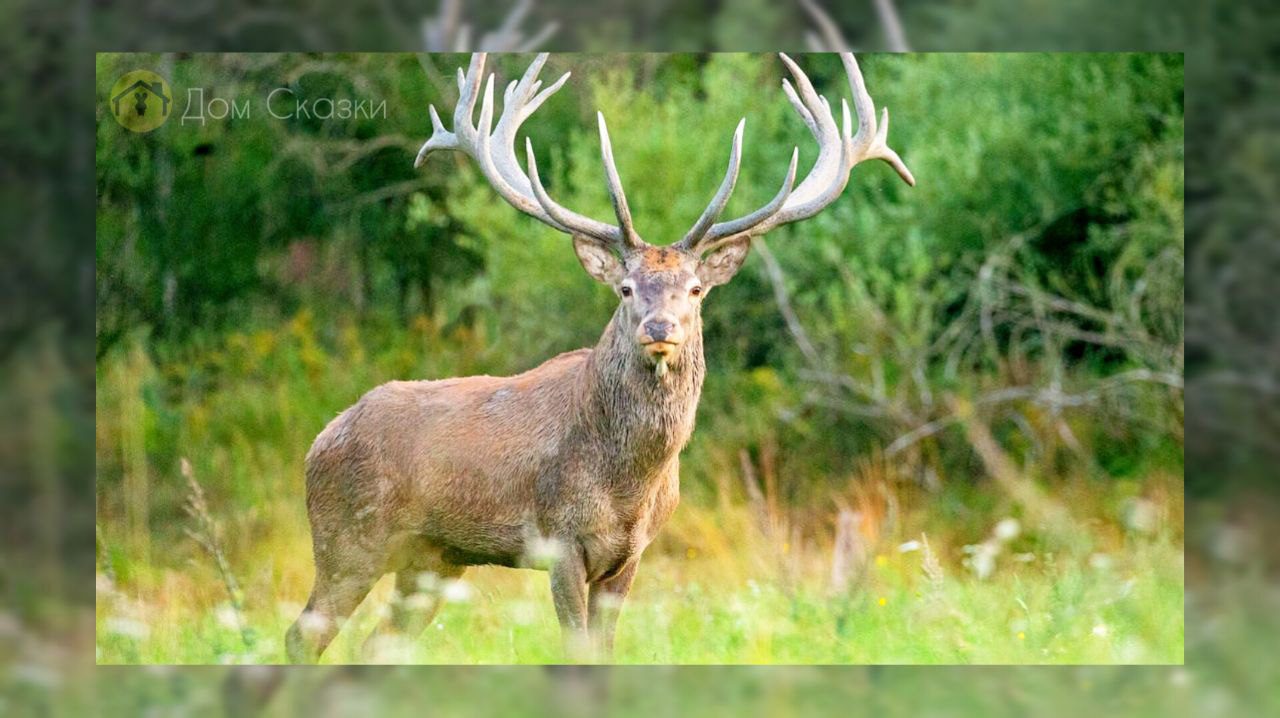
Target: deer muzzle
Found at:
660, 337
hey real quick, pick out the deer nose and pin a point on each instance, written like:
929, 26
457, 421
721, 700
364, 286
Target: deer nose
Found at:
659, 331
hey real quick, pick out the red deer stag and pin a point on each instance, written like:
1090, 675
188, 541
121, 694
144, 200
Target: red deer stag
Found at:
580, 453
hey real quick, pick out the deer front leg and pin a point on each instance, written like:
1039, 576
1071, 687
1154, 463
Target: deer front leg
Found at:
569, 592
604, 604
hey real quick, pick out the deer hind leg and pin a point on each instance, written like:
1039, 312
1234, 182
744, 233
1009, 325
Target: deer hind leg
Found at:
343, 579
419, 596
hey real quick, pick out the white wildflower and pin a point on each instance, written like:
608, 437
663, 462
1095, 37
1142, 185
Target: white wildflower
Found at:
390, 648
543, 552
1233, 544
36, 675
982, 558
10, 626
457, 591
419, 601
523, 612
1007, 530
127, 627
427, 581
609, 600
227, 616
1142, 516
103, 584
288, 610
312, 622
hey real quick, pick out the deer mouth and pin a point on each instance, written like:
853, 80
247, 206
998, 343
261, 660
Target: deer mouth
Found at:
660, 350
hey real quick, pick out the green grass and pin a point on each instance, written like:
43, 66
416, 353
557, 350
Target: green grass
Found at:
708, 610
726, 582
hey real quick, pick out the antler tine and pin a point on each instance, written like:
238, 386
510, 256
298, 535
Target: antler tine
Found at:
718, 202
572, 222
838, 153
733, 228
871, 142
463, 132
800, 109
828, 169
493, 149
616, 195
816, 114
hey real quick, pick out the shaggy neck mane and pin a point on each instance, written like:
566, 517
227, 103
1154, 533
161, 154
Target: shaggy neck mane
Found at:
633, 409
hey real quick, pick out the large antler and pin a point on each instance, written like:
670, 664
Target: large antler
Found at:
838, 151
493, 149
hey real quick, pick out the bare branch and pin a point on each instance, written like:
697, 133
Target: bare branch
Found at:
780, 295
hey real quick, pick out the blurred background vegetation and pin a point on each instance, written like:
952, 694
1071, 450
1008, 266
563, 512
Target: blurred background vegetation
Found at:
49, 351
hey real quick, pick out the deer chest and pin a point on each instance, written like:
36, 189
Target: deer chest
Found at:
633, 522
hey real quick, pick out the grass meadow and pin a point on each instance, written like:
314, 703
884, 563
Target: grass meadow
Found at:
879, 570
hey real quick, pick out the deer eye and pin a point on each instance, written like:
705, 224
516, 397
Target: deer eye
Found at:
626, 291
696, 291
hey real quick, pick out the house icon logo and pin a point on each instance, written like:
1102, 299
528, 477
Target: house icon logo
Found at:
141, 100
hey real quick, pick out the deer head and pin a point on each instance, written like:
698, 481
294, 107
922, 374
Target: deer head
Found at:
661, 288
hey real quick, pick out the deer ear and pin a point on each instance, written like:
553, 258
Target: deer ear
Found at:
599, 261
724, 261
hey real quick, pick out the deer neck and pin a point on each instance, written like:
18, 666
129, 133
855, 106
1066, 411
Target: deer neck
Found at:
645, 417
